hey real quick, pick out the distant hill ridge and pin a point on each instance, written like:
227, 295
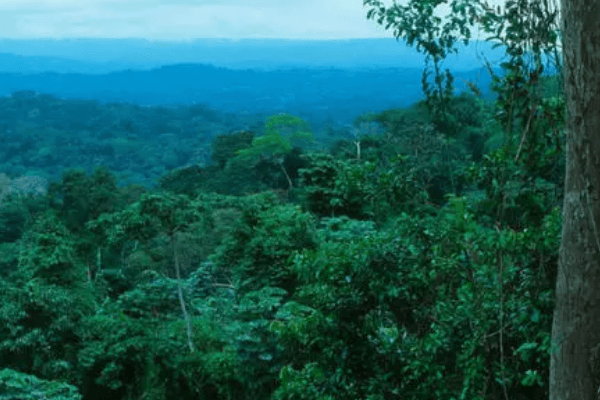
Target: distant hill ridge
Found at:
336, 79
106, 55
324, 93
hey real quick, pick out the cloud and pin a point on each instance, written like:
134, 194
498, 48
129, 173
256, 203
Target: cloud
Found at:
186, 19
189, 19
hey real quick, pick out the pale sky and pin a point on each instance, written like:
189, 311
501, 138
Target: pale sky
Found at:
188, 19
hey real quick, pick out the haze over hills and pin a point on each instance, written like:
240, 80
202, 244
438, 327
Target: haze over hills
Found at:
327, 80
106, 55
340, 95
16, 63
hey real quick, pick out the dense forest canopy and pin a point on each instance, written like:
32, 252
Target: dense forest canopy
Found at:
183, 252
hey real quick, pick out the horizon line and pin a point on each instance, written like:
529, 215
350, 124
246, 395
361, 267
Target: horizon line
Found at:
230, 39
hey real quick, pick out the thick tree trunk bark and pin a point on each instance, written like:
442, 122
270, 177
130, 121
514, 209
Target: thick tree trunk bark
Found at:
574, 369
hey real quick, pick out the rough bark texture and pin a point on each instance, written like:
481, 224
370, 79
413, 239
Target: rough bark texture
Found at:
576, 328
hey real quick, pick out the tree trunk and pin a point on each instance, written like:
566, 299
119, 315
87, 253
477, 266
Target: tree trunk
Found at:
290, 185
574, 368
186, 317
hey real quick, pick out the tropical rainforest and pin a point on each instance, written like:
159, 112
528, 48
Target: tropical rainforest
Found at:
181, 253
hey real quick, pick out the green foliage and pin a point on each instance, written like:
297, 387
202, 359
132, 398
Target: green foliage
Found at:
361, 291
359, 189
319, 182
514, 197
14, 216
341, 305
289, 126
188, 180
269, 145
257, 348
140, 237
256, 251
343, 228
20, 200
50, 254
302, 385
45, 133
239, 178
239, 356
18, 386
466, 123
416, 23
438, 162
137, 345
445, 303
225, 147
519, 103
80, 198
283, 133
43, 301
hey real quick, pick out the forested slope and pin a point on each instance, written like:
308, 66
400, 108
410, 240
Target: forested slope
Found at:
415, 257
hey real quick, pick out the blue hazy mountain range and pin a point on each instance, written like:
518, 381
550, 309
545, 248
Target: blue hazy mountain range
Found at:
335, 94
336, 80
107, 55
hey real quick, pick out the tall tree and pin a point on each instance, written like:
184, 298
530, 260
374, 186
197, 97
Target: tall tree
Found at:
575, 364
282, 133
